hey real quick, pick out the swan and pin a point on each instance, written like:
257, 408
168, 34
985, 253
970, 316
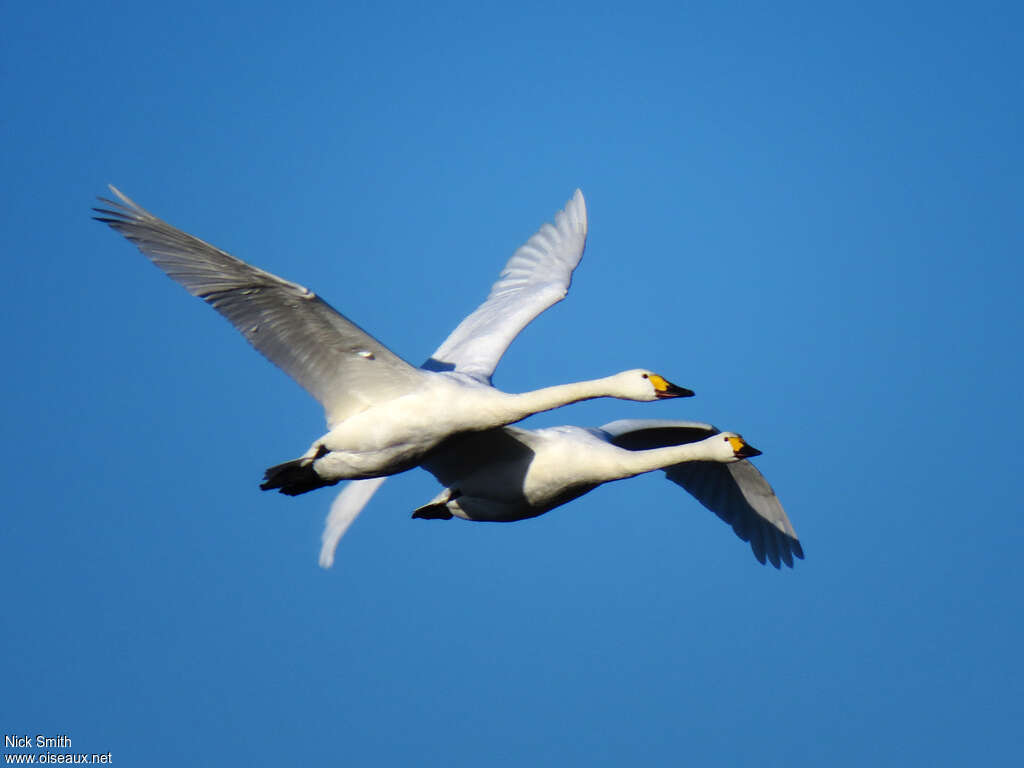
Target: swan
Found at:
383, 414
510, 473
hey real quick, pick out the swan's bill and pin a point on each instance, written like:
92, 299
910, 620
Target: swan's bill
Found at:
741, 448
665, 389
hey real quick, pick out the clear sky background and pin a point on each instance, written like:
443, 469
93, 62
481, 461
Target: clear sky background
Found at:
810, 215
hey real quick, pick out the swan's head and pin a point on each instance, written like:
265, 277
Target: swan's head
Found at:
728, 446
645, 386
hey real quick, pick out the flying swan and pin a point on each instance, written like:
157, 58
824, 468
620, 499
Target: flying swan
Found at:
384, 415
509, 474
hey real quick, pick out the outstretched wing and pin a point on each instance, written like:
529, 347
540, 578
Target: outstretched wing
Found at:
345, 509
337, 362
736, 492
537, 276
739, 495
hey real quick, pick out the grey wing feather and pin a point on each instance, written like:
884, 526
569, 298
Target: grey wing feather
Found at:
337, 362
344, 510
740, 496
537, 276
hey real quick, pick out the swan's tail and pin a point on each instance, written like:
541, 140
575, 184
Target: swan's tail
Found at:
294, 477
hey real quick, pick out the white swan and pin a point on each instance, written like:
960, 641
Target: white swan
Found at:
383, 414
512, 474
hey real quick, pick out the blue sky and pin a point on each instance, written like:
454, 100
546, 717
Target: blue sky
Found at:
810, 215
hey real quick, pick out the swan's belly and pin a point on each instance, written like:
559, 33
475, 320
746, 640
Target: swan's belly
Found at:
491, 509
396, 435
358, 465
417, 421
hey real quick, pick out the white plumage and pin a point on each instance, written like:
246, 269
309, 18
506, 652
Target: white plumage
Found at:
509, 474
383, 414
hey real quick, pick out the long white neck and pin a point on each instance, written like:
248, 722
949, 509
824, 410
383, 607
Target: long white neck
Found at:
637, 462
522, 405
